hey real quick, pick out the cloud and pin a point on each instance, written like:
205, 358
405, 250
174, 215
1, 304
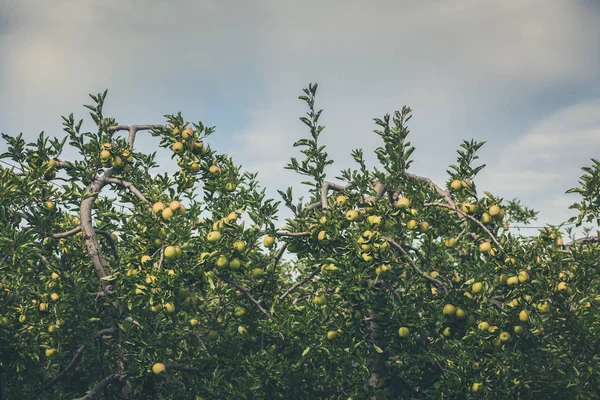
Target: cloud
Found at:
468, 68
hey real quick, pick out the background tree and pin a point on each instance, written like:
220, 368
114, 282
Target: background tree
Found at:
398, 287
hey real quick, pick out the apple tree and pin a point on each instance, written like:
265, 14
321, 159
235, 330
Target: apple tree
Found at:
383, 284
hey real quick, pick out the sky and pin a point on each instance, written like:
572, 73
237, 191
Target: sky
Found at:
522, 75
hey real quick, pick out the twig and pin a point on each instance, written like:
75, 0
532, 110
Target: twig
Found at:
62, 234
290, 234
101, 385
247, 293
584, 240
414, 266
300, 283
185, 368
48, 385
129, 186
110, 241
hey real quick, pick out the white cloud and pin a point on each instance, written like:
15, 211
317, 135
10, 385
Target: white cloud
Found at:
465, 67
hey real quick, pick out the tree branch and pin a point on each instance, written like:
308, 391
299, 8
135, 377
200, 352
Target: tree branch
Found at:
461, 212
584, 240
185, 368
300, 283
129, 186
247, 294
133, 129
62, 234
414, 266
48, 385
101, 385
110, 241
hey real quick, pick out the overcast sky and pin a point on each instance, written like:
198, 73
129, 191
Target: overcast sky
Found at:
522, 75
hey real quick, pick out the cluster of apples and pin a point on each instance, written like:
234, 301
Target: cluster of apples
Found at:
111, 156
184, 139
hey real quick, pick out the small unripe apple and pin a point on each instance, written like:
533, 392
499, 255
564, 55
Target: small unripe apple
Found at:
424, 227
477, 387
177, 148
167, 213
320, 300
55, 276
158, 368
341, 200
524, 316
449, 310
235, 264
170, 252
268, 241
104, 155
331, 335
117, 162
222, 261
518, 329
456, 185
43, 307
49, 352
512, 281
214, 169
450, 242
197, 146
403, 332
158, 207
213, 236
257, 272
505, 337
485, 247
494, 211
477, 287
239, 246
187, 133
170, 308
411, 225
403, 202
54, 297
523, 276
239, 311
353, 215
49, 205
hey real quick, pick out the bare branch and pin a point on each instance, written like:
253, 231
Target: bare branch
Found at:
129, 186
414, 266
325, 191
584, 240
300, 283
291, 234
101, 385
133, 129
279, 255
62, 234
89, 233
48, 385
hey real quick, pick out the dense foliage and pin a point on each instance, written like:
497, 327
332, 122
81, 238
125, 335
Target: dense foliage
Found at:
392, 286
